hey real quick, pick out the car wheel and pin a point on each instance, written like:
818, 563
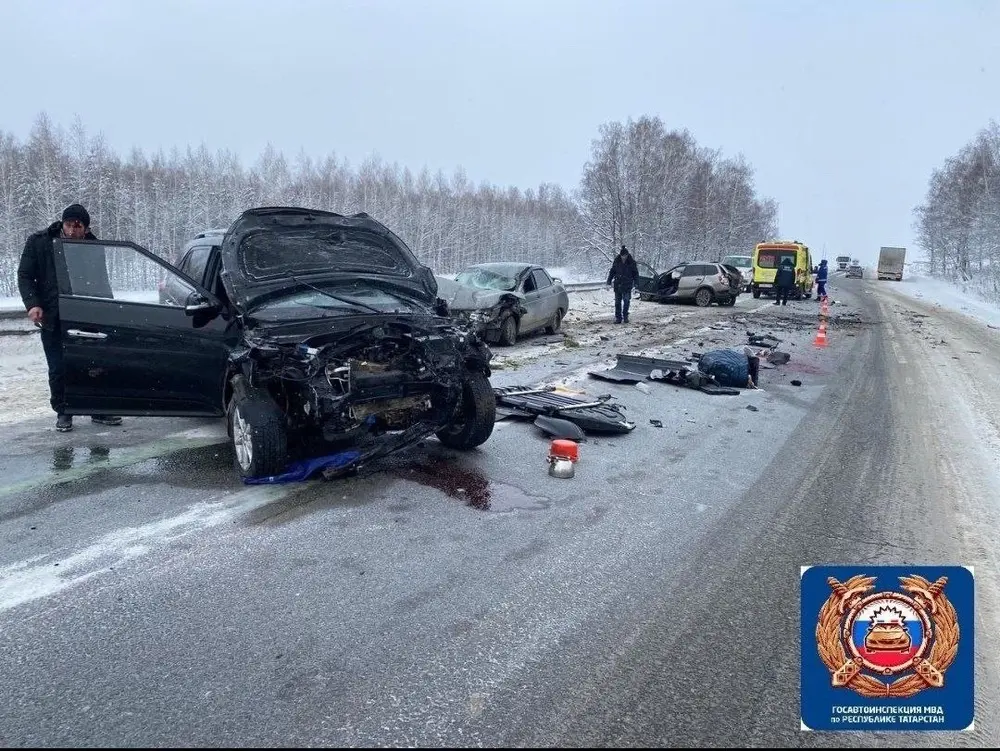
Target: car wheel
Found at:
556, 323
508, 330
703, 297
477, 414
258, 436
756, 293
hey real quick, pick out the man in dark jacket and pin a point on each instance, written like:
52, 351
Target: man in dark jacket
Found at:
784, 282
623, 275
36, 281
822, 274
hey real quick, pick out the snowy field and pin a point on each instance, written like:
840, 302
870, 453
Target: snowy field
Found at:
949, 295
14, 303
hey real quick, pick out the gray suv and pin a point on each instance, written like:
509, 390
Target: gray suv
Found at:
700, 282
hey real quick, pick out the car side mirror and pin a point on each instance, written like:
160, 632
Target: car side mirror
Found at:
198, 303
557, 280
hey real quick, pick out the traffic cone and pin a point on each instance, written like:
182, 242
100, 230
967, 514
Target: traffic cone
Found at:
820, 340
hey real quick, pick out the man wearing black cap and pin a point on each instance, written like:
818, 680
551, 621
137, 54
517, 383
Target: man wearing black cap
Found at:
36, 281
624, 273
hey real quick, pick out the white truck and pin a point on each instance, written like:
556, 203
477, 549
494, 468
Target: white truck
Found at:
890, 263
843, 262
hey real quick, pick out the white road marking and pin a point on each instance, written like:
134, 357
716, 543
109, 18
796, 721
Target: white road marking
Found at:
47, 575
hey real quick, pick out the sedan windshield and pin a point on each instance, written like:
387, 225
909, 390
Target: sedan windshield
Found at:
484, 279
740, 262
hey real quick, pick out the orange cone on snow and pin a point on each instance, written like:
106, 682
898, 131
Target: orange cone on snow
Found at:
820, 340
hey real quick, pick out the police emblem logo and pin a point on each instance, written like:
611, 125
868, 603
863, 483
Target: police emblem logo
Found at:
887, 644
887, 648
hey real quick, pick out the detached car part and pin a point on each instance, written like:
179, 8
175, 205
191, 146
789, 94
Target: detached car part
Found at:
592, 416
635, 369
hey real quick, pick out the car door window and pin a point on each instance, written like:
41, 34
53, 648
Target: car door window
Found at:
542, 279
694, 270
194, 264
119, 272
529, 284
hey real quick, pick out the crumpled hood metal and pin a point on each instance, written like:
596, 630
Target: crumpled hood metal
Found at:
247, 286
327, 330
463, 297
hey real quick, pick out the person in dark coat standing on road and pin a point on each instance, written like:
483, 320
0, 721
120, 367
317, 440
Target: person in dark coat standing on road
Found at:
784, 282
624, 274
822, 274
36, 281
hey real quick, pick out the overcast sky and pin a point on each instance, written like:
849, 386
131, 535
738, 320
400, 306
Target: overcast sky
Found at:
842, 106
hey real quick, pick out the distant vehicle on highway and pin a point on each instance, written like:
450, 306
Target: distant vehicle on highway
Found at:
890, 263
854, 271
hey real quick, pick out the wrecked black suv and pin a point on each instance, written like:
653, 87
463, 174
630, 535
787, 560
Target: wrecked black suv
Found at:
311, 332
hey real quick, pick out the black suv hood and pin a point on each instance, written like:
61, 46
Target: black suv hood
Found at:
264, 247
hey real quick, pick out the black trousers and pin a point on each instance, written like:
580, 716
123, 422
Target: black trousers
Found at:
52, 344
623, 298
782, 295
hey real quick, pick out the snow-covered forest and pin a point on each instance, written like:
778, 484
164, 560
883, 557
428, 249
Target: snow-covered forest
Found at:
958, 225
656, 190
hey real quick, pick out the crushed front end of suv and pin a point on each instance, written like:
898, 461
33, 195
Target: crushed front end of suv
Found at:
322, 337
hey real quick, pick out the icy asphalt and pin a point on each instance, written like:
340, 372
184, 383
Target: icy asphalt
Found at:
148, 598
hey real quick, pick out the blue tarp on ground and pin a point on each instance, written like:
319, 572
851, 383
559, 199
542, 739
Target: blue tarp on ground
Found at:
303, 470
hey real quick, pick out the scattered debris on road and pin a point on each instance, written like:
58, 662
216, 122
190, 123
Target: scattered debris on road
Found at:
558, 427
635, 369
594, 416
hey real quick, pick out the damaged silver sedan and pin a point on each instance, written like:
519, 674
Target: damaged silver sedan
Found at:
315, 334
503, 301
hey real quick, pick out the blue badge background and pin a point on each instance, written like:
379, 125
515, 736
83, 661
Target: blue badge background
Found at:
817, 694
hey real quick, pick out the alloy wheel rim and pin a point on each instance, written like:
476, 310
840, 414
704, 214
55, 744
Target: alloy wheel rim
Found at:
242, 441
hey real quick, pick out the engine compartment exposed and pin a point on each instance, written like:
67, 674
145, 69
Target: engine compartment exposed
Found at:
371, 379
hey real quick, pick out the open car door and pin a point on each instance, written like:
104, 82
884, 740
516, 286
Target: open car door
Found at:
645, 283
126, 351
